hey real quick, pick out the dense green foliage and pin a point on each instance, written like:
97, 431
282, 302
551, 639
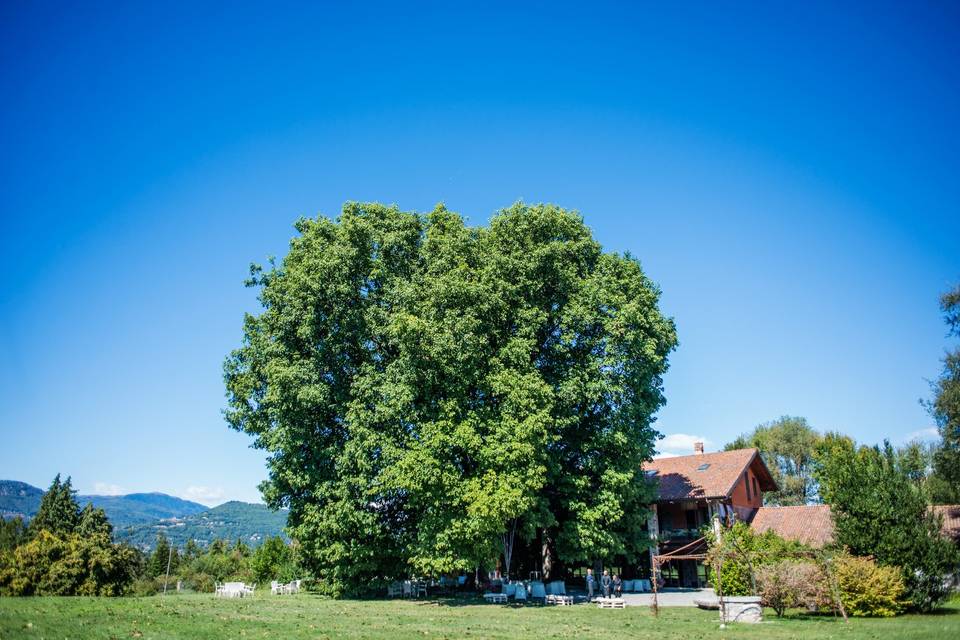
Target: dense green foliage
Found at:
305, 617
945, 407
787, 445
275, 560
13, 533
879, 511
741, 552
65, 551
424, 388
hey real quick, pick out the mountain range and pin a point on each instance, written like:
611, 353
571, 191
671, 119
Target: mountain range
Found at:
137, 518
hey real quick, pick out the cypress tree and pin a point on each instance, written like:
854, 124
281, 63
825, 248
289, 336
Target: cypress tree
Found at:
59, 512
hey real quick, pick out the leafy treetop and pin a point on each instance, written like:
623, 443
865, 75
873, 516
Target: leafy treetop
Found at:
423, 387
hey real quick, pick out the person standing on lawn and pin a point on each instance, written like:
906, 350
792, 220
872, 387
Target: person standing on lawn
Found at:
617, 586
590, 584
605, 583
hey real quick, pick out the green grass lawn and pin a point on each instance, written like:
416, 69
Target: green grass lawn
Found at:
307, 616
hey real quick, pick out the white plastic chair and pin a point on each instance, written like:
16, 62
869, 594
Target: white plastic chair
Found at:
407, 589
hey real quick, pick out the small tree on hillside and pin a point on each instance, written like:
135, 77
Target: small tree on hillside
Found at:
160, 556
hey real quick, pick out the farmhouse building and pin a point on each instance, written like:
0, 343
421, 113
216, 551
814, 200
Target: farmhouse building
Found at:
692, 490
730, 485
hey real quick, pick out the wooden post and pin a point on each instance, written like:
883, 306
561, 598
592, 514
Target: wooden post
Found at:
654, 570
167, 577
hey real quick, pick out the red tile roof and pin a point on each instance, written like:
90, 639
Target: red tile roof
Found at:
682, 478
951, 520
812, 524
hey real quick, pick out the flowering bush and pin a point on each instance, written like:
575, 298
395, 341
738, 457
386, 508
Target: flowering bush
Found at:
788, 584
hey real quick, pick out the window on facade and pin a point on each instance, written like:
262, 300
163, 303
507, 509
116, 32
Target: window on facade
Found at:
755, 492
747, 480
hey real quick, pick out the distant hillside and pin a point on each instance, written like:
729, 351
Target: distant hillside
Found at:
142, 508
252, 523
18, 499
22, 499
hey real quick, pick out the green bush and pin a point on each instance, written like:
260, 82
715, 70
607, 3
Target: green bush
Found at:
867, 589
742, 552
68, 565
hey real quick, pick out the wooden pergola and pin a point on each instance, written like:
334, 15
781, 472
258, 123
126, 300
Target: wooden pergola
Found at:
667, 557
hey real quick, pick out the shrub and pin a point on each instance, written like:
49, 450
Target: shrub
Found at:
68, 565
867, 589
742, 552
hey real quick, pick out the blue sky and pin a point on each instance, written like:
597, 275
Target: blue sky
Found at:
786, 174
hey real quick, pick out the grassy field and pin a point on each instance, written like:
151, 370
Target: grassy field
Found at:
306, 616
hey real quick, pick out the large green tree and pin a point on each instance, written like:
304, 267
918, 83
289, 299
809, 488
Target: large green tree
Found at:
425, 389
880, 511
945, 405
787, 445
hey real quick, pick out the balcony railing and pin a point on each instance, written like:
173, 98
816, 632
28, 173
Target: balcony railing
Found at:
679, 534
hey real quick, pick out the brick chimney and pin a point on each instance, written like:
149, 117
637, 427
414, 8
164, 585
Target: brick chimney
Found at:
698, 448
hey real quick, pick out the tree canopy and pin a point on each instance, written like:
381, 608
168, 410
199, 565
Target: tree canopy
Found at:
945, 406
425, 388
788, 445
880, 511
59, 512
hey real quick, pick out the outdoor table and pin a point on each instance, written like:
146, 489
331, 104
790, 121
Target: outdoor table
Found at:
495, 597
611, 603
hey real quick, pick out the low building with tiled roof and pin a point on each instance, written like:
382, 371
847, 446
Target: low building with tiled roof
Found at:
729, 486
811, 524
951, 520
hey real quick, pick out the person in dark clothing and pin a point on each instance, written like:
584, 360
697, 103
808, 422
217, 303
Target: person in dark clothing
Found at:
606, 583
590, 584
617, 586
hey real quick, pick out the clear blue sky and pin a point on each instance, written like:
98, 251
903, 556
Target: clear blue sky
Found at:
787, 175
